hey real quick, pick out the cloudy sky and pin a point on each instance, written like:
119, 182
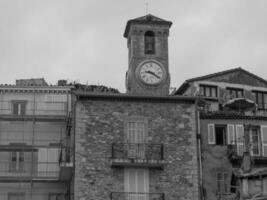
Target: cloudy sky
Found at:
82, 40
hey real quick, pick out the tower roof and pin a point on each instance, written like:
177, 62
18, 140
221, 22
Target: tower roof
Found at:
147, 19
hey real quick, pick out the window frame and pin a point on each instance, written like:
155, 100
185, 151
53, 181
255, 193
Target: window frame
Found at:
149, 37
208, 87
232, 90
17, 165
20, 104
256, 93
224, 182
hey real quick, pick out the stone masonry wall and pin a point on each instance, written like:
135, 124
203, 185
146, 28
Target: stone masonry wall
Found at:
100, 123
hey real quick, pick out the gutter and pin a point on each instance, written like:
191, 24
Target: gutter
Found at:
199, 153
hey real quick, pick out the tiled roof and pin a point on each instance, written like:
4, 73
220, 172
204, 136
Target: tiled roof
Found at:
185, 85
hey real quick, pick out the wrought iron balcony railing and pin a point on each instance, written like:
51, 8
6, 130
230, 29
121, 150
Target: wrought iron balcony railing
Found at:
136, 196
236, 152
138, 154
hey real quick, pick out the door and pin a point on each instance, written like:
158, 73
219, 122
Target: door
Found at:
136, 184
136, 139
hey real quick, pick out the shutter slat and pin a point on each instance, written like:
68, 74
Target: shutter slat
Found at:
240, 139
231, 134
211, 134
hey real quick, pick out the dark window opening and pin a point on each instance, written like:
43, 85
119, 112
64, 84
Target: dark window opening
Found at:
220, 135
235, 92
261, 100
234, 185
149, 42
208, 91
19, 107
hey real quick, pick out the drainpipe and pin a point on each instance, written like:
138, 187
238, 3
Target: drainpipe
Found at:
199, 153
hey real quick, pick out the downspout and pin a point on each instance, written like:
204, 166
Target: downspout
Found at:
199, 153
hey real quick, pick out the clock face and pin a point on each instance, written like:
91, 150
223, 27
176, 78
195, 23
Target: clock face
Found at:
151, 73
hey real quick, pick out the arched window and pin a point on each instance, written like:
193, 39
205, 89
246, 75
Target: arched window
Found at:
149, 42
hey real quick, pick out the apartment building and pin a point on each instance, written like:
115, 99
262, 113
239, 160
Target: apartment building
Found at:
232, 134
140, 145
35, 129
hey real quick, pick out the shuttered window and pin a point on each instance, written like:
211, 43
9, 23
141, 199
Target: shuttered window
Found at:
264, 140
211, 134
230, 134
136, 181
240, 139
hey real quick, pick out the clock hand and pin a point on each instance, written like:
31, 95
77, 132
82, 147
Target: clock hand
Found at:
150, 72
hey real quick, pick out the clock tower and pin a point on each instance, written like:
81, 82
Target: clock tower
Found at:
148, 67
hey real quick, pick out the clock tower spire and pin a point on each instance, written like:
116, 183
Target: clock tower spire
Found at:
148, 66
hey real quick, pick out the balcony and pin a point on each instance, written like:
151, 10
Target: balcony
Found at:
137, 154
29, 109
65, 161
235, 154
20, 170
136, 196
25, 162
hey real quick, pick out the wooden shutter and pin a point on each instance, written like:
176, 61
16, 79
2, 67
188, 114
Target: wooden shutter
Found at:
52, 161
240, 139
42, 161
264, 140
136, 181
230, 134
211, 134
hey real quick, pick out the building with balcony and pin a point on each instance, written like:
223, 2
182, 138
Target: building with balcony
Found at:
232, 134
35, 132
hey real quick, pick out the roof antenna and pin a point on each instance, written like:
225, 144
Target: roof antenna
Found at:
146, 7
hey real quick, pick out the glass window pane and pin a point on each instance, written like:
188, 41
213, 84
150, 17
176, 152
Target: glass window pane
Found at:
213, 92
265, 101
207, 90
201, 91
260, 101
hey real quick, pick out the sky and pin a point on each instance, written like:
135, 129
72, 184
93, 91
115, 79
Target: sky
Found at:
82, 40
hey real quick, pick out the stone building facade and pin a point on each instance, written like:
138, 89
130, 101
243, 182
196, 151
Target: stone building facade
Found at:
165, 150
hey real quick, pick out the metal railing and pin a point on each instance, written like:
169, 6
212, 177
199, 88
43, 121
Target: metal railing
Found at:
237, 151
24, 194
137, 151
136, 196
34, 108
21, 169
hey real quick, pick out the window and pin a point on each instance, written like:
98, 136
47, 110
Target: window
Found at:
149, 42
136, 181
16, 196
19, 107
208, 91
222, 183
255, 141
220, 134
16, 163
136, 136
235, 92
261, 99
